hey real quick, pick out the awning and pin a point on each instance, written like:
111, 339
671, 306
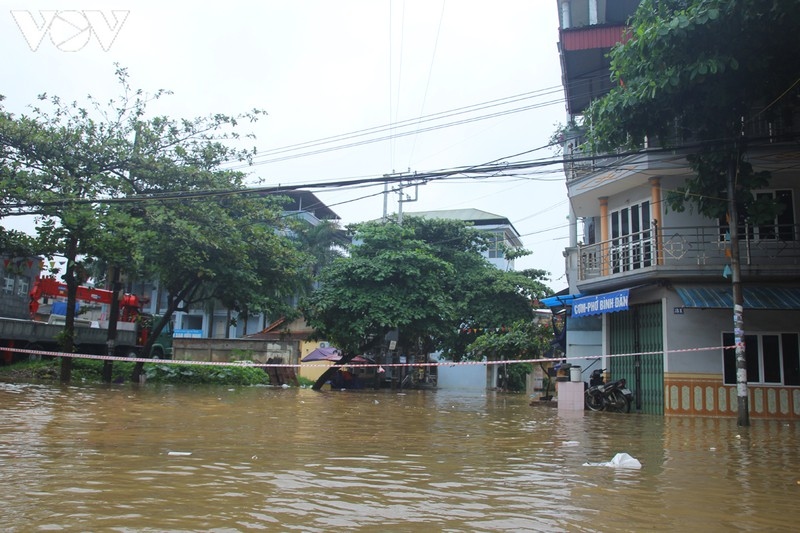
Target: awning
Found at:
754, 297
598, 304
558, 300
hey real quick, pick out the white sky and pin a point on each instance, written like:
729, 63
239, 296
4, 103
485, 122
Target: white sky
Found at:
325, 68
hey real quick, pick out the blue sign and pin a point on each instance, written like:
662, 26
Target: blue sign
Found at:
600, 303
190, 333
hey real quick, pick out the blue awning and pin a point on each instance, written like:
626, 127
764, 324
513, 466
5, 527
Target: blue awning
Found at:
754, 297
559, 300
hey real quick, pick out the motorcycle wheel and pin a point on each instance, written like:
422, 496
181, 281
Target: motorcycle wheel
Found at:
593, 403
618, 402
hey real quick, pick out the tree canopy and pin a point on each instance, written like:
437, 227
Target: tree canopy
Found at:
427, 280
147, 195
701, 73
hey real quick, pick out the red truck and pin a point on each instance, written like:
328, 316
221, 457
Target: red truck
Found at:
41, 331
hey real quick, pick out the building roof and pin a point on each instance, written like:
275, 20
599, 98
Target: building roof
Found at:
307, 201
476, 216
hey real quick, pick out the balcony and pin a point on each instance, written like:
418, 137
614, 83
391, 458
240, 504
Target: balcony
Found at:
776, 133
689, 253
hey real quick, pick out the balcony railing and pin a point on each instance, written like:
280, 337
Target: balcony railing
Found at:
692, 250
579, 162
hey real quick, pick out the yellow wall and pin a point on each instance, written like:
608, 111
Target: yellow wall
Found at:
313, 370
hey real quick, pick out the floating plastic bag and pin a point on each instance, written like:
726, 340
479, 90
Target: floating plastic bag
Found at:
621, 460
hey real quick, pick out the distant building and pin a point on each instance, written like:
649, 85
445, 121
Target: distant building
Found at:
213, 321
18, 274
504, 235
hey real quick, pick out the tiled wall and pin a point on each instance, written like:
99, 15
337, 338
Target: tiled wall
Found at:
705, 395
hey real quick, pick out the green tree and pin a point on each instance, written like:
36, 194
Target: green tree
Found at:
391, 280
706, 69
484, 297
147, 194
324, 242
427, 279
57, 161
523, 340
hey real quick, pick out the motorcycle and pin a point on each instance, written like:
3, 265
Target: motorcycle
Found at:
601, 396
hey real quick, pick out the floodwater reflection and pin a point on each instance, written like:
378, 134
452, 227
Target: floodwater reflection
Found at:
240, 459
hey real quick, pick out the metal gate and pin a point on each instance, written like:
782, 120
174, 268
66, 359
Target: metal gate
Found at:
639, 329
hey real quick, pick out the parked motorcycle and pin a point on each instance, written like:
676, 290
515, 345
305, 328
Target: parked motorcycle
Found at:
601, 396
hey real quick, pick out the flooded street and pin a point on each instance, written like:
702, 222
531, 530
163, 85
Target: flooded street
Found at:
127, 459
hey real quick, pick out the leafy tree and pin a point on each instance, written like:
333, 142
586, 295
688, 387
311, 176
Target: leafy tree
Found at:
57, 161
391, 280
484, 297
426, 279
147, 195
705, 69
324, 242
523, 340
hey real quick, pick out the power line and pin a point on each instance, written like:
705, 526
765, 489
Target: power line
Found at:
390, 128
499, 167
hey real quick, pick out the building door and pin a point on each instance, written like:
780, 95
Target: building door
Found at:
631, 238
638, 330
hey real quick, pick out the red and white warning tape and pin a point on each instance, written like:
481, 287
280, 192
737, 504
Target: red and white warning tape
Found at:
359, 365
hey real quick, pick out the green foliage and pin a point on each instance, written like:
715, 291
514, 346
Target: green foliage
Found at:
391, 279
205, 375
525, 339
305, 382
514, 376
146, 194
16, 244
90, 371
700, 70
426, 278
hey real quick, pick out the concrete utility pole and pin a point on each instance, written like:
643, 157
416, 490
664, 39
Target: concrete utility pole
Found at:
743, 414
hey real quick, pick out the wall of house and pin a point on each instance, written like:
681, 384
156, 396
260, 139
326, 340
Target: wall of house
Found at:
584, 340
700, 328
462, 377
693, 383
226, 350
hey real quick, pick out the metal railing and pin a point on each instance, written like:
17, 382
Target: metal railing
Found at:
580, 162
763, 248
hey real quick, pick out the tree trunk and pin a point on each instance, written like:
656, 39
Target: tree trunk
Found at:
67, 341
113, 315
157, 328
743, 415
328, 374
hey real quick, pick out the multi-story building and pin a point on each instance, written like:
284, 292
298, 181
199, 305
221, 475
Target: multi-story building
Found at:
504, 236
19, 275
652, 281
212, 320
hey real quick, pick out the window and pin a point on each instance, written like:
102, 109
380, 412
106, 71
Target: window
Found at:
8, 284
631, 238
772, 359
22, 287
782, 227
496, 243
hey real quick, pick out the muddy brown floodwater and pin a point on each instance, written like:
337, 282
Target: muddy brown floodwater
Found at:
128, 459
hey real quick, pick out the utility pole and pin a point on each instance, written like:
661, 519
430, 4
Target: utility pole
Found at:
403, 199
743, 414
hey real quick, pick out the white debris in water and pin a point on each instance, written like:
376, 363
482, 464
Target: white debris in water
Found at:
570, 443
179, 453
621, 460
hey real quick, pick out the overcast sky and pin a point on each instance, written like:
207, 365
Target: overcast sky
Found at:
329, 68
